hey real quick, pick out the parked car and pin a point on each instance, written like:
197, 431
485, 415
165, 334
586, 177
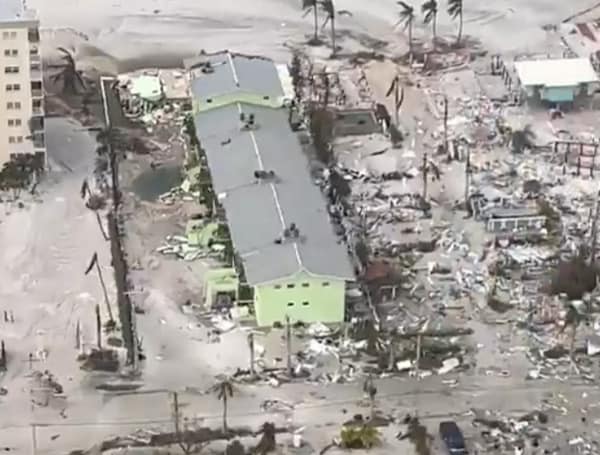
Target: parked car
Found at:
453, 438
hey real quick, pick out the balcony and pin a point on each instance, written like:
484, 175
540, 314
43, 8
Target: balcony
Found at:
36, 89
36, 124
35, 71
35, 57
33, 35
37, 108
39, 141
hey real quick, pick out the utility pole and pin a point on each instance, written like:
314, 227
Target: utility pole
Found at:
251, 346
98, 327
425, 174
595, 231
418, 356
33, 439
176, 412
2, 356
467, 178
446, 124
288, 344
78, 335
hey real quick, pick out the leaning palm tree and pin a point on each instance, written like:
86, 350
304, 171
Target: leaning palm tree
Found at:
224, 390
307, 6
430, 9
407, 18
455, 10
69, 74
331, 13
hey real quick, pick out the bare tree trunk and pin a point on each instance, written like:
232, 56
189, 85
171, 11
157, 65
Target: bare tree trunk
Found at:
104, 291
288, 344
425, 172
316, 19
251, 346
225, 411
460, 27
410, 41
98, 327
334, 52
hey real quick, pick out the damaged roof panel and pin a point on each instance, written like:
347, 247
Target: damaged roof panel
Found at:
259, 211
232, 73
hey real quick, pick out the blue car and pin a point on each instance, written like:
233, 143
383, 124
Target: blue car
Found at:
453, 438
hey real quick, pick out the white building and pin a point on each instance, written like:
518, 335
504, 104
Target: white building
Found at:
21, 89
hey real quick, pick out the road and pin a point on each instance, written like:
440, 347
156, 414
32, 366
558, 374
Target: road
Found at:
314, 408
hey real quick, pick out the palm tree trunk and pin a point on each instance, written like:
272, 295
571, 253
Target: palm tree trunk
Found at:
333, 35
225, 411
410, 40
316, 19
460, 28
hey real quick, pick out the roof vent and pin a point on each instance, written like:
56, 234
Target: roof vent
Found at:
264, 175
248, 123
291, 232
207, 68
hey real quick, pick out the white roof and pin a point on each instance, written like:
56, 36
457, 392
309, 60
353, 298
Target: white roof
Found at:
565, 72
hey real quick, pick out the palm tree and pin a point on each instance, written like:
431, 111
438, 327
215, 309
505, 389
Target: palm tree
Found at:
224, 390
267, 442
430, 9
307, 6
455, 10
407, 17
70, 76
329, 9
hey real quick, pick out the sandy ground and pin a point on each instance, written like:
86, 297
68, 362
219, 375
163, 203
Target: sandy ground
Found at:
174, 28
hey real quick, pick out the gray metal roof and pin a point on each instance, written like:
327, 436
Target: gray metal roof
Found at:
258, 212
234, 73
11, 10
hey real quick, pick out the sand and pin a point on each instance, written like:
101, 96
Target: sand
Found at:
168, 30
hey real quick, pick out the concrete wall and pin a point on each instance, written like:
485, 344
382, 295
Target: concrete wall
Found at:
238, 97
303, 298
16, 51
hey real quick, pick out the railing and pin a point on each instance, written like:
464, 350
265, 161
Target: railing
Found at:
37, 93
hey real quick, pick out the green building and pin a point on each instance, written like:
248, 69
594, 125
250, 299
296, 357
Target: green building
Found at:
278, 218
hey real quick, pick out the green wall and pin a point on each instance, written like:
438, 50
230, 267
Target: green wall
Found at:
559, 94
302, 297
201, 105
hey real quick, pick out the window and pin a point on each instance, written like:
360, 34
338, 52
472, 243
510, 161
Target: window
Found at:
291, 286
13, 34
325, 283
17, 105
17, 122
304, 303
11, 139
266, 97
290, 303
13, 87
10, 105
16, 87
19, 139
305, 285
5, 35
11, 52
11, 69
277, 286
209, 100
6, 52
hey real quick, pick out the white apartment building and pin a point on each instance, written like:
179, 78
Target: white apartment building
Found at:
21, 88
